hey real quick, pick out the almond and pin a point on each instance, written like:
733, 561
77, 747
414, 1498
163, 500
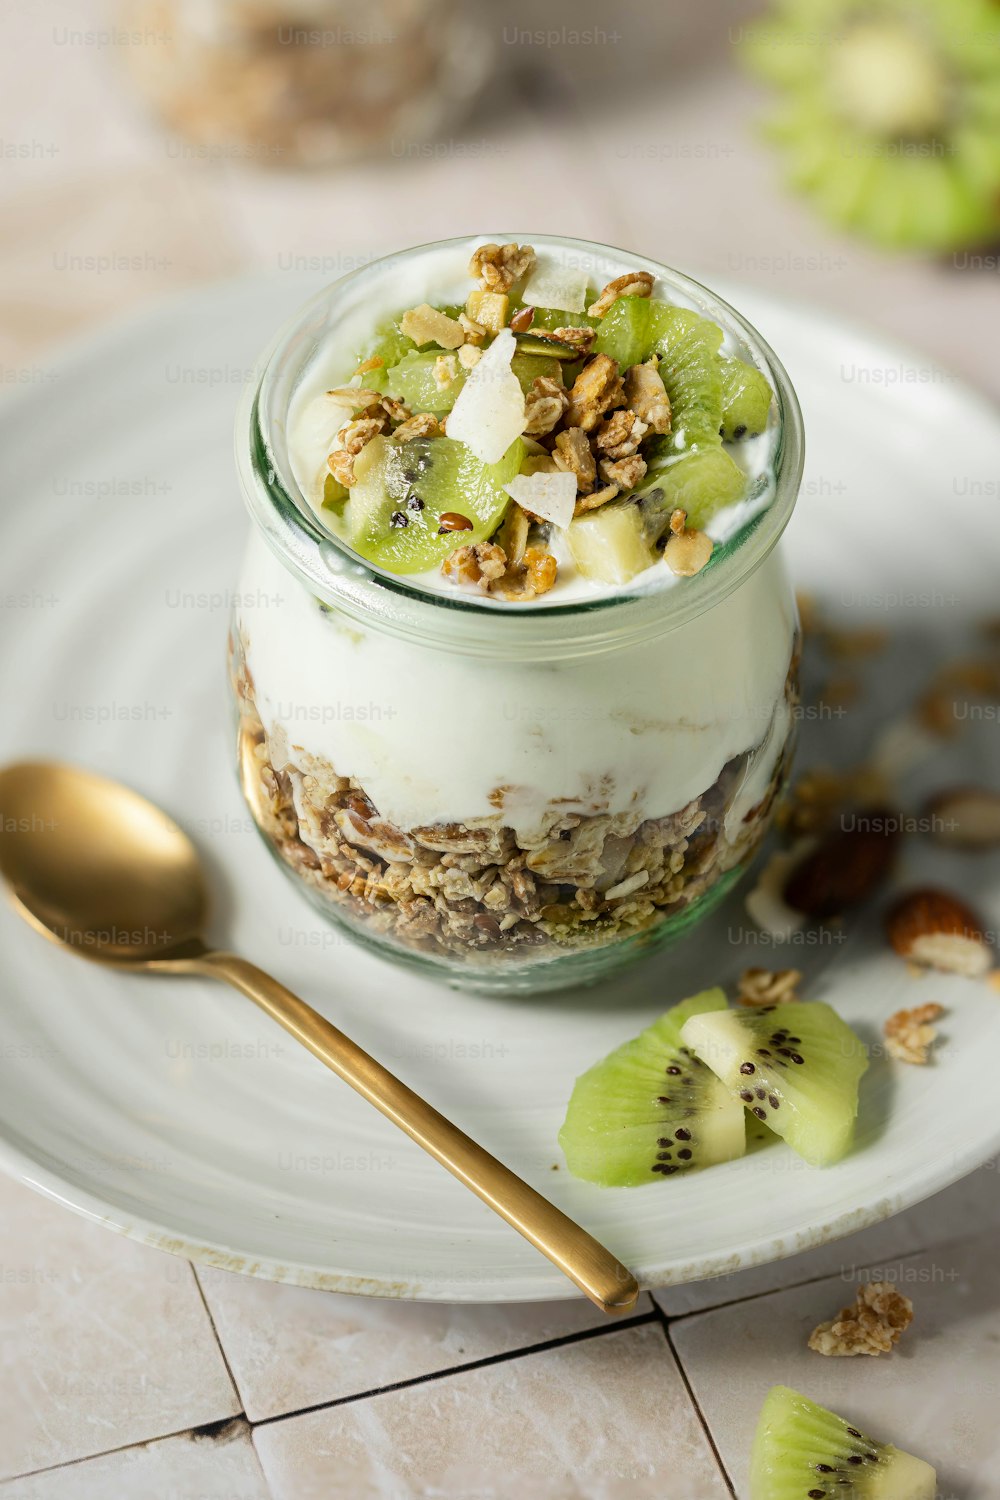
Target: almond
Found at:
965, 817
937, 930
846, 867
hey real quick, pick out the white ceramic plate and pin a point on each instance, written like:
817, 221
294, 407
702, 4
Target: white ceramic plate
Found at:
176, 1113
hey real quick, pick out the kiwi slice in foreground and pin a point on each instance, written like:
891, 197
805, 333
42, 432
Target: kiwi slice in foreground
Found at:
889, 115
746, 400
617, 541
795, 1067
403, 489
802, 1450
651, 1109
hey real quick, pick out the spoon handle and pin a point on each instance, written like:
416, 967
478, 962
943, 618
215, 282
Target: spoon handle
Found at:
587, 1263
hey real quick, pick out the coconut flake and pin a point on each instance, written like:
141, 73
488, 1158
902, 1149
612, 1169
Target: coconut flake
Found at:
551, 497
489, 412
553, 285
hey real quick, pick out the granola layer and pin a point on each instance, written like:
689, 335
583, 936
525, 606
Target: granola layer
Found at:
478, 888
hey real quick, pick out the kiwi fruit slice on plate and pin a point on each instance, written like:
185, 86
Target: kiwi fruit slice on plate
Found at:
394, 512
651, 1109
889, 115
801, 1450
795, 1067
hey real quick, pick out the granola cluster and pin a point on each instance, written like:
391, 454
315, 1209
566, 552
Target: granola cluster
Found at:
582, 878
909, 1034
589, 420
768, 987
872, 1324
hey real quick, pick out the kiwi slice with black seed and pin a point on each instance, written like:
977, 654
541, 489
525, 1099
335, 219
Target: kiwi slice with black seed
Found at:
795, 1067
804, 1452
889, 114
651, 1109
402, 490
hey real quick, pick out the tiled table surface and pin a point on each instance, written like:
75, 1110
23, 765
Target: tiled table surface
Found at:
129, 1375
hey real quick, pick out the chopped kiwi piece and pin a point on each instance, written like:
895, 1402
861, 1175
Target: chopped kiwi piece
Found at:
801, 1449
795, 1067
335, 494
554, 317
390, 345
611, 545
688, 347
746, 400
624, 331
527, 366
413, 380
699, 483
651, 1109
402, 490
538, 344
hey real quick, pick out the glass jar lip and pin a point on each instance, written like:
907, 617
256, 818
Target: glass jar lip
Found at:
340, 578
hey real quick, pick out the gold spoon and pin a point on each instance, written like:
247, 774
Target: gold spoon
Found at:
98, 869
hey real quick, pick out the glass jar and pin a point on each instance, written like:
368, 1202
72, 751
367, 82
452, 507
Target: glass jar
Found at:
511, 797
306, 82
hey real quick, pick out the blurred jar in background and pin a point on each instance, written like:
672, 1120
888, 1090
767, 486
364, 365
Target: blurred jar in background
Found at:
306, 82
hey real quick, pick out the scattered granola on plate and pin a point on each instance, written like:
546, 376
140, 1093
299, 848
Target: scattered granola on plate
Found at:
909, 1034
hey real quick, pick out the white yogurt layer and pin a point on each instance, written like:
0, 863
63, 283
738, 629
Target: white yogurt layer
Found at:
434, 736
440, 276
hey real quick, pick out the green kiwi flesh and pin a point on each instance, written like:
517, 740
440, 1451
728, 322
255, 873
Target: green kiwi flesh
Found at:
650, 1109
804, 1452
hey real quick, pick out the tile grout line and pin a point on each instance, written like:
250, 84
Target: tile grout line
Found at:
702, 1419
215, 1334
601, 1331
202, 1430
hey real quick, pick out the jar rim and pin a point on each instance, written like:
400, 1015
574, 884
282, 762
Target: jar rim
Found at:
334, 573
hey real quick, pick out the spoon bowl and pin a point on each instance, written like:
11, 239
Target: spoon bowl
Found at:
97, 868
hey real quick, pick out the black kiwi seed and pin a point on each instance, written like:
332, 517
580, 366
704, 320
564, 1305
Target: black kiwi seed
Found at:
746, 1095
763, 1052
663, 1156
824, 1468
773, 1100
685, 1155
854, 1432
795, 1040
817, 1494
683, 1135
761, 1094
663, 1099
398, 520
414, 503
409, 475
796, 1057
747, 1068
664, 1141
674, 1072
760, 1113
